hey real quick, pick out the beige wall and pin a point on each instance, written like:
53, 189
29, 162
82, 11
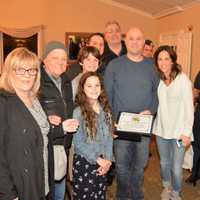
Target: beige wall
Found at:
90, 16
68, 16
180, 21
22, 13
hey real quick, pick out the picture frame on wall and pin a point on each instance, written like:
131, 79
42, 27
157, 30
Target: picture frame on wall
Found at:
74, 41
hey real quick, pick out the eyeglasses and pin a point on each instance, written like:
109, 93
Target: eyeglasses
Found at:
22, 71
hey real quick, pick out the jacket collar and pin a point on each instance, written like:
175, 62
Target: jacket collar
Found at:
5, 93
45, 77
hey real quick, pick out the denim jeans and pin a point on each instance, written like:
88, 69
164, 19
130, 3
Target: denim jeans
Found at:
131, 158
171, 160
60, 189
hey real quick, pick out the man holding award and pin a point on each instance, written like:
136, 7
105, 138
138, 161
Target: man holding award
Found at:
131, 85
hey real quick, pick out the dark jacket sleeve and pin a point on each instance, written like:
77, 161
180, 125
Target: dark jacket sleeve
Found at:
74, 70
56, 132
109, 82
7, 188
197, 81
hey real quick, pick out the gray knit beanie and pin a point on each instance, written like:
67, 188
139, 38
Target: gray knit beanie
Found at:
50, 46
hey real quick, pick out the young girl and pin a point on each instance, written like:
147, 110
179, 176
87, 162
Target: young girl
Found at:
93, 141
88, 58
174, 120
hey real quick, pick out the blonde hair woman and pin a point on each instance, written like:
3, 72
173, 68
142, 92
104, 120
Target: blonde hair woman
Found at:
23, 131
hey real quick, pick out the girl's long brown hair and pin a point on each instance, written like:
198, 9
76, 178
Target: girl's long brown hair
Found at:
89, 115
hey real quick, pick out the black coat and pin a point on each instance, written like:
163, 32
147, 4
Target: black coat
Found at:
54, 103
109, 55
21, 151
62, 105
74, 70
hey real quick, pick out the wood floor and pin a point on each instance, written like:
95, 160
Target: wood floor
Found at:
152, 182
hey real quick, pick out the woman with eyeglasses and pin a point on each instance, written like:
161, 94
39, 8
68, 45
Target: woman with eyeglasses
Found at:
23, 131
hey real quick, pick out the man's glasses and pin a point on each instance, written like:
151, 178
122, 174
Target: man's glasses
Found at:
22, 71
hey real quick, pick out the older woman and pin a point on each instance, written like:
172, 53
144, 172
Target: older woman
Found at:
174, 120
23, 131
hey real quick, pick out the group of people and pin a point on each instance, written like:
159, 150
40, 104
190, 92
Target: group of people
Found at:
45, 107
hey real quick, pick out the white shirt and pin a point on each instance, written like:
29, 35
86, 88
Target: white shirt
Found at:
175, 114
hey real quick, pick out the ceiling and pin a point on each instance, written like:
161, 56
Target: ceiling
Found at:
153, 8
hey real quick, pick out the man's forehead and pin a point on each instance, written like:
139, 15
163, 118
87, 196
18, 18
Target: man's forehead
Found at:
136, 32
57, 52
112, 26
95, 38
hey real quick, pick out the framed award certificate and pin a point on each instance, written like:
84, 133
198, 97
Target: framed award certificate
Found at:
132, 125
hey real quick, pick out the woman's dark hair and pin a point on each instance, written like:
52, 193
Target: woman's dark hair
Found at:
95, 34
176, 68
89, 115
85, 51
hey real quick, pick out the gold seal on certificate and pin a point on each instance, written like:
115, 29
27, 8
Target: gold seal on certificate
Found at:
135, 123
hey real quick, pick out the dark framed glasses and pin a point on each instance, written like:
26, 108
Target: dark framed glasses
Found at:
22, 71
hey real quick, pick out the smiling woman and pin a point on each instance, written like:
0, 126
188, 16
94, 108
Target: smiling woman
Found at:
21, 59
23, 131
174, 120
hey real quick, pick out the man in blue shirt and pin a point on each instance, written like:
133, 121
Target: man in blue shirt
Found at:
131, 83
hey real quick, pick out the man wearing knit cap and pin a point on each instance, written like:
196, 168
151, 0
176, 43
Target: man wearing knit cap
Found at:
56, 99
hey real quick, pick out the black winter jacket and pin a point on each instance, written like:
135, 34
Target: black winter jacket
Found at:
21, 151
62, 105
54, 103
